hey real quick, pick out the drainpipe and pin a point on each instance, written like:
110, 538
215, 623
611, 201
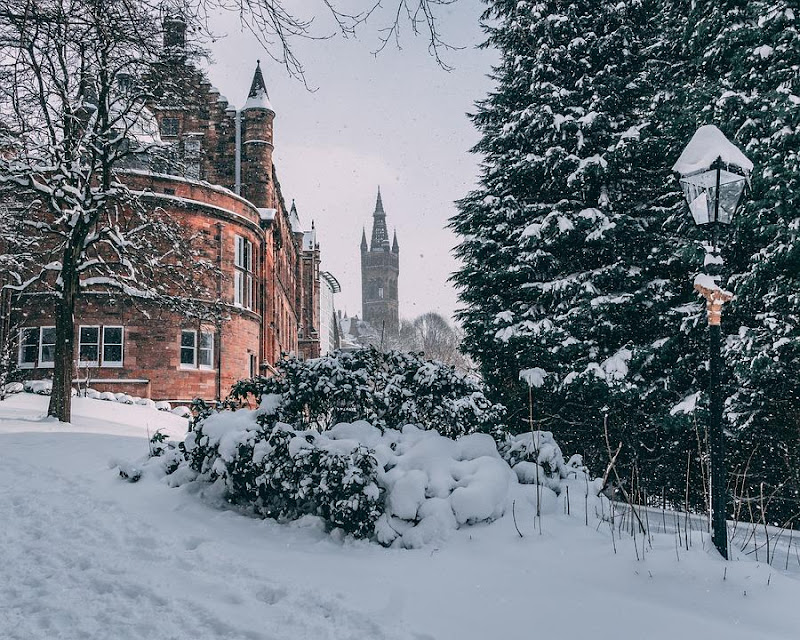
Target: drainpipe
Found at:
217, 322
238, 154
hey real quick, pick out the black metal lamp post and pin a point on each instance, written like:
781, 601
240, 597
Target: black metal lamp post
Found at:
713, 192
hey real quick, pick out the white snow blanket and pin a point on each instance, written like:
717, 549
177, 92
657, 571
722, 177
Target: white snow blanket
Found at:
88, 556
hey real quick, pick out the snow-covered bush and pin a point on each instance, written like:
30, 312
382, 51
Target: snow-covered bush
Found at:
387, 389
163, 405
39, 387
285, 474
403, 487
527, 451
14, 387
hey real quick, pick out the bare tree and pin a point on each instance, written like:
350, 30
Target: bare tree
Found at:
434, 336
73, 225
278, 28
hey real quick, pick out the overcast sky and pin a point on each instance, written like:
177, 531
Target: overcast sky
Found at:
395, 119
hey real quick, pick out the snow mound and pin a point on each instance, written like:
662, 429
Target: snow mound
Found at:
434, 484
14, 387
706, 146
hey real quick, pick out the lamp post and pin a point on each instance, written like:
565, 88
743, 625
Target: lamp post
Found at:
714, 175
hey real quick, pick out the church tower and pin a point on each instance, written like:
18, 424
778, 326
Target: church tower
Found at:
380, 267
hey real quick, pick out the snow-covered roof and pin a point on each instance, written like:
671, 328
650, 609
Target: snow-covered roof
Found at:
294, 220
258, 101
707, 145
258, 98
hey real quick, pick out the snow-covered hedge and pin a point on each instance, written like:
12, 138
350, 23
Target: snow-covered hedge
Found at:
403, 487
386, 389
286, 474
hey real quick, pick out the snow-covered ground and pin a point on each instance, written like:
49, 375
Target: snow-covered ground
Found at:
84, 554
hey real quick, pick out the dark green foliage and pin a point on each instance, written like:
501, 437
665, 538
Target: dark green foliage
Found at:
387, 389
285, 474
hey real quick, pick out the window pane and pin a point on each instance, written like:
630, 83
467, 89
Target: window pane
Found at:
237, 288
187, 355
89, 335
112, 353
112, 335
88, 353
29, 345
188, 347
205, 355
48, 343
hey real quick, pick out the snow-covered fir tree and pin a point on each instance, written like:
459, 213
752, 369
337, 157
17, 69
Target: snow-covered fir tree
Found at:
578, 251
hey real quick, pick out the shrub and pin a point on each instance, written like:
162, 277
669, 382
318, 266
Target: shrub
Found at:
285, 474
386, 389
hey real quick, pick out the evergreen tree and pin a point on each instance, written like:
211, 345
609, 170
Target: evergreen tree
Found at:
569, 245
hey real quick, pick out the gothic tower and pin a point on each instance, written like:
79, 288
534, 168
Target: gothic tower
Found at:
380, 267
256, 143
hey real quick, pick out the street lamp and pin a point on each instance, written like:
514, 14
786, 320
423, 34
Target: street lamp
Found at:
714, 174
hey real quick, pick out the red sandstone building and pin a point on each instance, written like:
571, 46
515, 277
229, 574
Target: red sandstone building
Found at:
224, 190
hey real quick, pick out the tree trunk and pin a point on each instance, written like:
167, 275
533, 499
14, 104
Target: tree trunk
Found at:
61, 395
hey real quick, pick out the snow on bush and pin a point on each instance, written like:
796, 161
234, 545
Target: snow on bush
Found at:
536, 459
146, 402
387, 389
163, 405
40, 387
14, 387
182, 411
403, 488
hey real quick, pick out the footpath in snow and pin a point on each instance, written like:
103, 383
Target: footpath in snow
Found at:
85, 554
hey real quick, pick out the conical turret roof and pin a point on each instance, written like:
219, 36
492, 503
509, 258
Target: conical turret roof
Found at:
258, 98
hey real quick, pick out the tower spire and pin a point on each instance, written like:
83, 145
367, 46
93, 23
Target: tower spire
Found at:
380, 235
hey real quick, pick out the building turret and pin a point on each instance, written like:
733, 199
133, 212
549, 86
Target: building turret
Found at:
257, 143
380, 268
364, 245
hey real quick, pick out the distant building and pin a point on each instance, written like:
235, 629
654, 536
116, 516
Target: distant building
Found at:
380, 268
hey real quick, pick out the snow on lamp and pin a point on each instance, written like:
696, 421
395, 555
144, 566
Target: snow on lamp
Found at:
712, 192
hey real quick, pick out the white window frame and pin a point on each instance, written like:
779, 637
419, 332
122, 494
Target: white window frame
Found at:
243, 272
38, 333
181, 347
196, 349
49, 364
96, 361
102, 353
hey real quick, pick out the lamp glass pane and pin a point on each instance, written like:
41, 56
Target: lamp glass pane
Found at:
700, 192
